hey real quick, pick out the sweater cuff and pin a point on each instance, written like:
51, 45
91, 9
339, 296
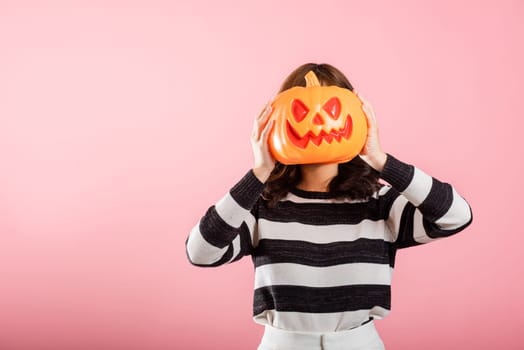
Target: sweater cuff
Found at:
397, 173
247, 190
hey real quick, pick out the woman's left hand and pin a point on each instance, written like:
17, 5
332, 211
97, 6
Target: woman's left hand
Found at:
372, 152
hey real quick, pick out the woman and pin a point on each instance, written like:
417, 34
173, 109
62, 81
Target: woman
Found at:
323, 237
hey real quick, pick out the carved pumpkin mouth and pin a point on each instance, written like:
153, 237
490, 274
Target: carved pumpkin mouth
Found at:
302, 142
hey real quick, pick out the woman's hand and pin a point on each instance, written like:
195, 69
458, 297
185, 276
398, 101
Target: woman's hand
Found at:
372, 152
264, 161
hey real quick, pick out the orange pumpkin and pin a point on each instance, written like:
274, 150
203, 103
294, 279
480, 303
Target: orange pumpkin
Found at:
317, 124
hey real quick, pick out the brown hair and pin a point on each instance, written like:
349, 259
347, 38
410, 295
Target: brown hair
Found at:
355, 179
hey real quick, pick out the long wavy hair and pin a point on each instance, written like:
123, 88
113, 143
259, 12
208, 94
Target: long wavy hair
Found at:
355, 179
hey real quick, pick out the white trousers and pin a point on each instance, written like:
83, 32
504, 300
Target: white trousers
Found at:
364, 337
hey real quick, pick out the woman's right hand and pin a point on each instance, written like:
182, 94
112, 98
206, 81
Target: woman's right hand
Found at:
264, 161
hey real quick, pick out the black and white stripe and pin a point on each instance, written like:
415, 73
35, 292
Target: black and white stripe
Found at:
225, 233
323, 263
364, 250
323, 276
424, 208
334, 321
321, 300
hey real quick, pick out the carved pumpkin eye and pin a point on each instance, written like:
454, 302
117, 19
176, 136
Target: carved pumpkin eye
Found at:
299, 110
332, 107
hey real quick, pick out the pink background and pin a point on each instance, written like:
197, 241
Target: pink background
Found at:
121, 122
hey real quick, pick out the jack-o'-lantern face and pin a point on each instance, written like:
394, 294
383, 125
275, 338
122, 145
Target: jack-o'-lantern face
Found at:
317, 124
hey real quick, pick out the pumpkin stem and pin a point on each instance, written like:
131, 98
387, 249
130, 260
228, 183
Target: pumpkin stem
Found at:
311, 79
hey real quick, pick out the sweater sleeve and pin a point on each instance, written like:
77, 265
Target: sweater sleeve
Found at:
422, 209
224, 234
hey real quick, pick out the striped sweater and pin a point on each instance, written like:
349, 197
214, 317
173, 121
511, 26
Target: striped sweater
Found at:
324, 264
